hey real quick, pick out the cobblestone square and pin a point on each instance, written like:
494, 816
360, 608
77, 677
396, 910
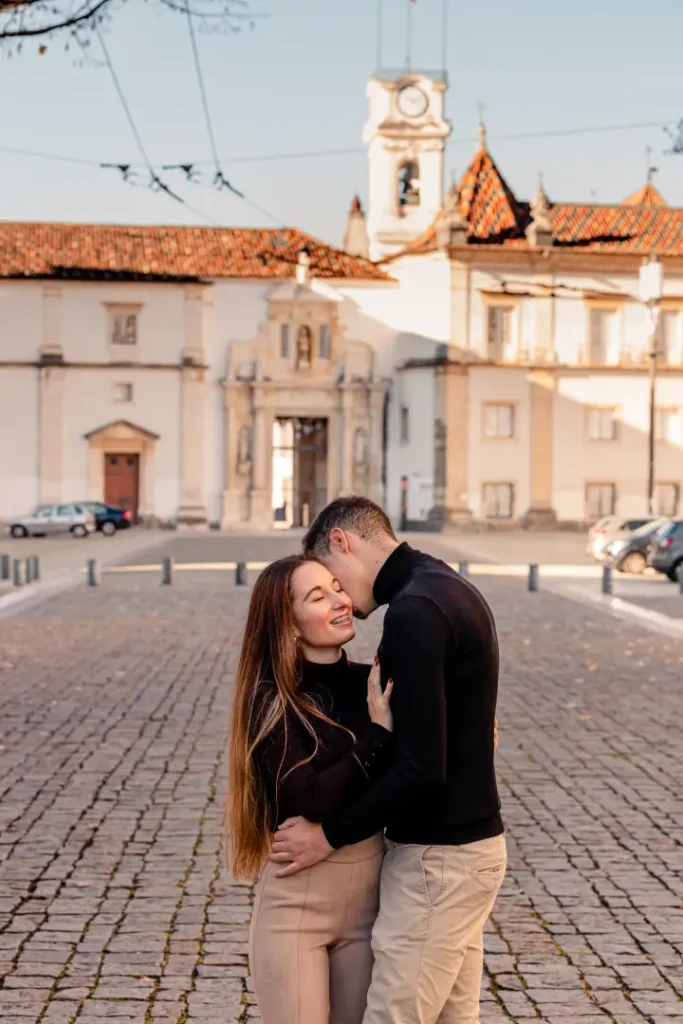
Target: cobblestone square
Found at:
113, 900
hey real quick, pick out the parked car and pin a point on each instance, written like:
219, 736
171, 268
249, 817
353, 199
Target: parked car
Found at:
666, 554
630, 553
108, 518
611, 528
47, 520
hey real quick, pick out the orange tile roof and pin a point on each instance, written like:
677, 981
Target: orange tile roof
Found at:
167, 253
648, 195
493, 215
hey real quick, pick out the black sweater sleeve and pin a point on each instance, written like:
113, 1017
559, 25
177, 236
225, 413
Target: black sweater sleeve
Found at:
414, 644
315, 794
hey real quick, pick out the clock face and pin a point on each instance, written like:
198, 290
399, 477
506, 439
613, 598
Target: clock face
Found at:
412, 101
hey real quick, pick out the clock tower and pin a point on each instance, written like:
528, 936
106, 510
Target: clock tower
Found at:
406, 134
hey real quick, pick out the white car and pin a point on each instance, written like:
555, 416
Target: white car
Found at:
609, 529
47, 520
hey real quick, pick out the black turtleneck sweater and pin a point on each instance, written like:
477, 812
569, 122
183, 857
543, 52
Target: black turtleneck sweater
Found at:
343, 767
439, 646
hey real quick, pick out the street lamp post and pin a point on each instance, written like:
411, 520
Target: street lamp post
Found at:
651, 282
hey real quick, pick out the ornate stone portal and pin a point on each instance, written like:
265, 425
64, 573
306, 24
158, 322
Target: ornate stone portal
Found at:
303, 412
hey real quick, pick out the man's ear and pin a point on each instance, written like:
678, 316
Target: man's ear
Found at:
339, 542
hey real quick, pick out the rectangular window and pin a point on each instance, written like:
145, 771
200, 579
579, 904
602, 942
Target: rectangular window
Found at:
324, 342
601, 329
601, 500
668, 342
284, 341
123, 392
602, 424
124, 328
667, 497
666, 425
499, 501
499, 419
499, 328
405, 425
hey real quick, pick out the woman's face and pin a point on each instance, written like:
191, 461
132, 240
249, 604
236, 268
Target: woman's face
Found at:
322, 611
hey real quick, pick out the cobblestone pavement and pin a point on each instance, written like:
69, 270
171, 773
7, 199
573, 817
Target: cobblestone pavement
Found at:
114, 903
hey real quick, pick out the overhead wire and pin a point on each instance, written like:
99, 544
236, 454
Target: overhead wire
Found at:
155, 182
348, 151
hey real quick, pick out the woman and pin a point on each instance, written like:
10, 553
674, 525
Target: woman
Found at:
311, 731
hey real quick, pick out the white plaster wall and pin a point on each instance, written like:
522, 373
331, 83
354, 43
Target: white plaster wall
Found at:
499, 460
236, 308
578, 460
19, 425
21, 320
85, 321
89, 404
413, 388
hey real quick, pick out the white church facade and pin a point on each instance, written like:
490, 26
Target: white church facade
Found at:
467, 358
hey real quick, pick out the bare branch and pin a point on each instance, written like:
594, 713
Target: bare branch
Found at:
77, 19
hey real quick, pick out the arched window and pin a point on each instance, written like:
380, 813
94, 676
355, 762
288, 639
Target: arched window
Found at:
409, 184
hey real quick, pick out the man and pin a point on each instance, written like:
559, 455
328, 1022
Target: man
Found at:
439, 803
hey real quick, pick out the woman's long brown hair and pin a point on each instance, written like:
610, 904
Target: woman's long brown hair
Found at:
267, 688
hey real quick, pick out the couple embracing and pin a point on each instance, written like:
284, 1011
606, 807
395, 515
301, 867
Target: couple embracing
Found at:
377, 782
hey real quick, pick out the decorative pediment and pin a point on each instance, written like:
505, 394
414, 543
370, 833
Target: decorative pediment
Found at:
120, 430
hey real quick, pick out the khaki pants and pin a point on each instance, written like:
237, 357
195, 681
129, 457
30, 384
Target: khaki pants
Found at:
310, 952
428, 938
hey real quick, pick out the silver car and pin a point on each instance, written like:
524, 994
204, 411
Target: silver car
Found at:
609, 529
47, 520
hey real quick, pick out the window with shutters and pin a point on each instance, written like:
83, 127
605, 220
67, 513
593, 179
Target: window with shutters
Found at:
499, 500
284, 341
601, 500
667, 498
602, 423
601, 330
499, 420
499, 332
667, 424
669, 338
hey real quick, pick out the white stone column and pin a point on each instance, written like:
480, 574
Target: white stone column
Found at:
346, 439
51, 341
51, 455
192, 510
261, 492
375, 444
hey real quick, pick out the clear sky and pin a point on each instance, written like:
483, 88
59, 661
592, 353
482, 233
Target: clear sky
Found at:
296, 84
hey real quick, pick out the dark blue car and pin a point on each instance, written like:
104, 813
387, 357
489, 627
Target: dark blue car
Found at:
108, 519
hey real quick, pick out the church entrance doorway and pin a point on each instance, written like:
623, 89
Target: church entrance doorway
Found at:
299, 470
122, 481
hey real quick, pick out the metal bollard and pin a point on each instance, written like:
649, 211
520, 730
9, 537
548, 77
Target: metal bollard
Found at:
464, 568
240, 574
18, 572
35, 568
28, 569
533, 578
93, 573
680, 578
5, 567
607, 579
167, 566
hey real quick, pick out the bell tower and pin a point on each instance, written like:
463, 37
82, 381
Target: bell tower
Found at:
405, 134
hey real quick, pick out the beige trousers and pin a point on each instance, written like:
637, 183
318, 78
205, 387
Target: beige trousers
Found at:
310, 952
428, 938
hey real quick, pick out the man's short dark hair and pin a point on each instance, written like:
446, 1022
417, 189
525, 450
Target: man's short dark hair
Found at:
353, 513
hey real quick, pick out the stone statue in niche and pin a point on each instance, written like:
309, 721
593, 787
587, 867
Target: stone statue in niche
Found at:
243, 449
304, 347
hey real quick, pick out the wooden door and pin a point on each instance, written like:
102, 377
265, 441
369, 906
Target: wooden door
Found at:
122, 481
